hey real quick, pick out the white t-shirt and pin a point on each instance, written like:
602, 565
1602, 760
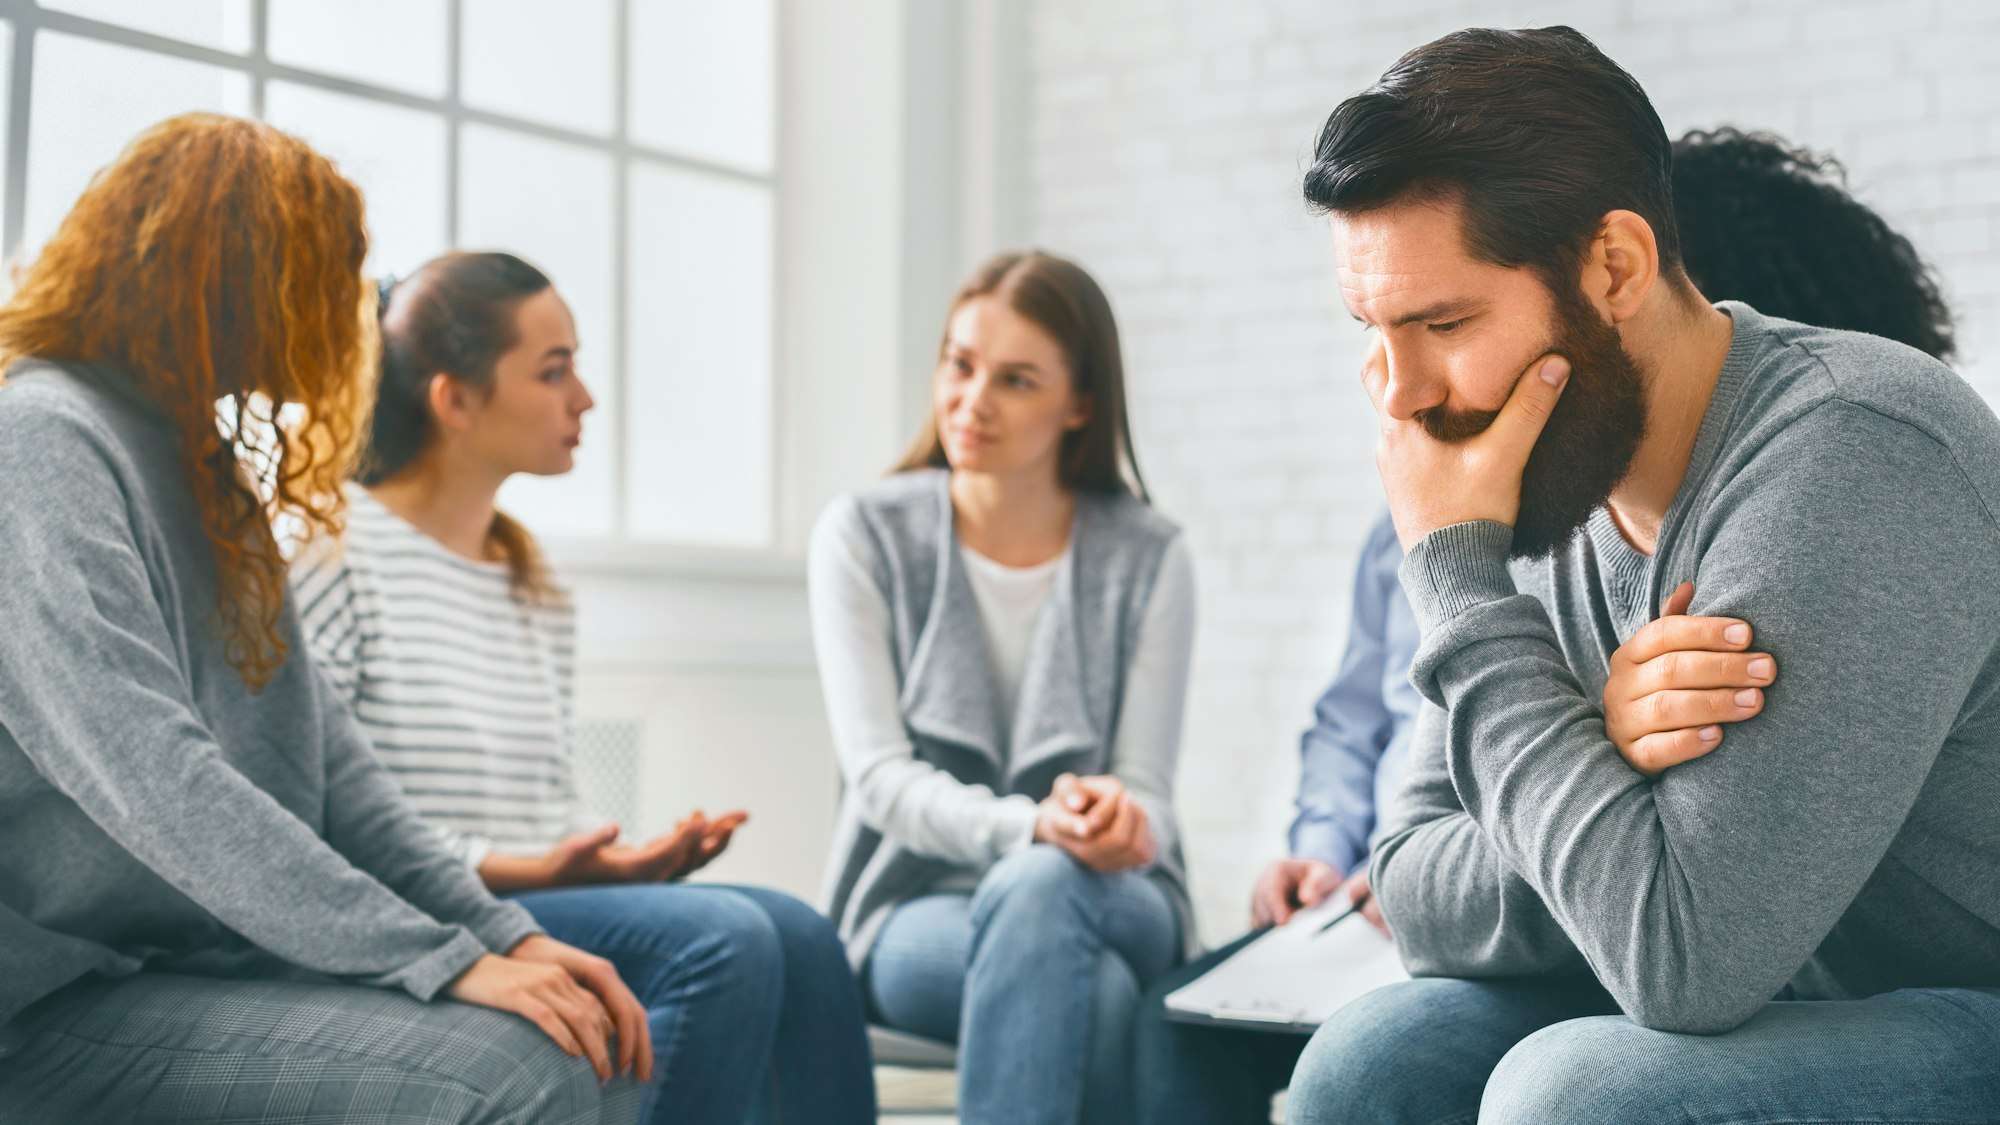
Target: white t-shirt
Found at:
1011, 600
929, 810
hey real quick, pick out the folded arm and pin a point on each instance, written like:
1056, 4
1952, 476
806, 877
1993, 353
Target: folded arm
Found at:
1865, 560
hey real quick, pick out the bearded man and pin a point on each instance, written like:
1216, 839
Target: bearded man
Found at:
1801, 922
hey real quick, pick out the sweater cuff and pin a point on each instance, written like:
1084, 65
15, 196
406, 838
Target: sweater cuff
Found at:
502, 927
1014, 824
1455, 568
474, 850
431, 973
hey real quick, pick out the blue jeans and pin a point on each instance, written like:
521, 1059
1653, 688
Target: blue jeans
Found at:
1441, 1051
1196, 1074
748, 992
1036, 975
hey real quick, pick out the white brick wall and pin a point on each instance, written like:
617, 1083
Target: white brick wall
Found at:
1165, 143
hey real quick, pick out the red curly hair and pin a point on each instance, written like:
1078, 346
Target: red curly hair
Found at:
216, 267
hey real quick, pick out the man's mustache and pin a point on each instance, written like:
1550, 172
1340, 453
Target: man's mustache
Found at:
1453, 426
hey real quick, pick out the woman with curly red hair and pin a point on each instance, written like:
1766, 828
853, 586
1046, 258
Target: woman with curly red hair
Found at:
213, 902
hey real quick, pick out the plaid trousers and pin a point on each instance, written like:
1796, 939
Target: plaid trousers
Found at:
161, 1048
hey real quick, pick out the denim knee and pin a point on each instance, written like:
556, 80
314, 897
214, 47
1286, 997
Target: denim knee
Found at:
801, 929
749, 938
1582, 1070
711, 935
1354, 1068
1033, 878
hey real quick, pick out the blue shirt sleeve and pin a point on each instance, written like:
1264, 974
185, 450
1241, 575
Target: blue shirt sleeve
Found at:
1354, 752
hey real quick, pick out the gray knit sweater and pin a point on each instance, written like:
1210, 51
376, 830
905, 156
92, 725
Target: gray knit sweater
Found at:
153, 812
1844, 842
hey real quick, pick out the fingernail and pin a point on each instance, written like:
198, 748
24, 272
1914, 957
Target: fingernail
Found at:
1710, 734
1737, 634
1554, 371
1747, 697
1761, 667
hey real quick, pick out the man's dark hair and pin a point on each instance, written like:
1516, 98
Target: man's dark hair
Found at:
1535, 132
1772, 225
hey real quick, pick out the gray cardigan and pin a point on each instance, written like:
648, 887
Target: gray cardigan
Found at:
154, 813
1071, 690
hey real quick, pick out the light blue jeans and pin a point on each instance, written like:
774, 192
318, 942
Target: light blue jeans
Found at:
1442, 1051
754, 1011
1036, 975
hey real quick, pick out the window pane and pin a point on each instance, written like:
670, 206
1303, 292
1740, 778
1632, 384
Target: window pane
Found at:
699, 314
399, 43
90, 99
702, 77
212, 23
518, 61
396, 157
6, 89
551, 204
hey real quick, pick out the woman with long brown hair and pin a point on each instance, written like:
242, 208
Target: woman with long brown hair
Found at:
1004, 628
214, 904
439, 620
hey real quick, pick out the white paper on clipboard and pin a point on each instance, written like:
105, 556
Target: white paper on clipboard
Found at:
1295, 976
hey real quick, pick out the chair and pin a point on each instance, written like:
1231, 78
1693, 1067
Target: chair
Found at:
913, 1074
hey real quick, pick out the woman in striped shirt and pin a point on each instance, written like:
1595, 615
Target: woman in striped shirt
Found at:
437, 619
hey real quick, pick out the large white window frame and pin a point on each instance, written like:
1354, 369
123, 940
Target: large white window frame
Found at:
619, 550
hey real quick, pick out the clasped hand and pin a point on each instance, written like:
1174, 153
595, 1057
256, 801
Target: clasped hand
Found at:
1096, 820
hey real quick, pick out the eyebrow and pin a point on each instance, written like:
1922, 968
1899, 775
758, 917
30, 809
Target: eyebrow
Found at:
1451, 309
1018, 365
559, 350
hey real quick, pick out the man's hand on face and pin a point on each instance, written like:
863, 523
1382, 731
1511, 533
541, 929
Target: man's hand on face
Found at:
1433, 484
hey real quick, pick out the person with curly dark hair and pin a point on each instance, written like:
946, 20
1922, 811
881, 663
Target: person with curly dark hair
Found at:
1771, 224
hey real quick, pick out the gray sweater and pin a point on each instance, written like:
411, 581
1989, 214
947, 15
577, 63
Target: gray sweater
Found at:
153, 812
1844, 842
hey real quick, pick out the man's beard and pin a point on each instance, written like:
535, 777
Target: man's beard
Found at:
1591, 436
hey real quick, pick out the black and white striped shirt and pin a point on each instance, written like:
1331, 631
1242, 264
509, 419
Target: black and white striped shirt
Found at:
463, 687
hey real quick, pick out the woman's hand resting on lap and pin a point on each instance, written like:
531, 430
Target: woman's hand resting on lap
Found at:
574, 997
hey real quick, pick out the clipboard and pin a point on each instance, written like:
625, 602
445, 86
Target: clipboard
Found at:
1294, 976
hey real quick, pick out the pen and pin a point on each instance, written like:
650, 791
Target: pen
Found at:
1335, 920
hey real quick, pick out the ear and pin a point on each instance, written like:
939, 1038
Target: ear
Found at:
449, 402
1080, 413
1622, 265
